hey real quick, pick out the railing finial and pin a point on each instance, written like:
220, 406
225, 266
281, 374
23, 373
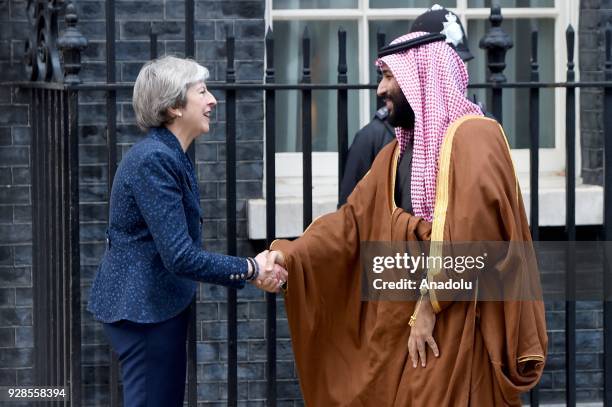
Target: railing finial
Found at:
342, 67
570, 39
71, 42
496, 43
269, 54
230, 74
306, 56
534, 52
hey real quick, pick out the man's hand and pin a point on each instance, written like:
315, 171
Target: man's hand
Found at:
275, 257
271, 275
421, 334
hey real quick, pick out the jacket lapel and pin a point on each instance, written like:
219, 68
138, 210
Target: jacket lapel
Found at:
165, 136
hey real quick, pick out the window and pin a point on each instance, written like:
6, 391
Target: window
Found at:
363, 18
323, 66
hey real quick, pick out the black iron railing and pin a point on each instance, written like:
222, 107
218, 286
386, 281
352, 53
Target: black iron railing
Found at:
55, 196
55, 262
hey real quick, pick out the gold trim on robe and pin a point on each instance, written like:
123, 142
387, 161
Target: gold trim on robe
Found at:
527, 358
441, 204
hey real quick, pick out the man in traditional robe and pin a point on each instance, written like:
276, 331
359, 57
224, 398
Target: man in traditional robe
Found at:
448, 177
370, 139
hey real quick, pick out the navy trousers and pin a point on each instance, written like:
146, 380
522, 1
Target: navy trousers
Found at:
153, 360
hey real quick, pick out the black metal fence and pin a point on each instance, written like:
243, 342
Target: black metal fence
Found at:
55, 201
54, 109
55, 231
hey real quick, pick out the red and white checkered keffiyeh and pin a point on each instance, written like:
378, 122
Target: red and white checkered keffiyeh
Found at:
434, 80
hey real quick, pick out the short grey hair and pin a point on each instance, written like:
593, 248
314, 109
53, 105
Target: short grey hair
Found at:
162, 84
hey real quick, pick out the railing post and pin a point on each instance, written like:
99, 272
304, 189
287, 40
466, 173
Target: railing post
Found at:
34, 154
608, 221
59, 185
71, 42
534, 158
496, 43
152, 42
342, 106
193, 319
380, 42
534, 133
46, 235
570, 222
190, 53
189, 28
270, 100
111, 148
111, 95
306, 134
230, 198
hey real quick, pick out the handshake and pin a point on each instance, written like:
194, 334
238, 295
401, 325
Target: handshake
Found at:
272, 275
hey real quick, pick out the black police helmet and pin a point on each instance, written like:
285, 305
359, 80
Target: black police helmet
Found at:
440, 20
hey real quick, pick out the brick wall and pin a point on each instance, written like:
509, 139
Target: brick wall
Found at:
15, 209
594, 15
589, 318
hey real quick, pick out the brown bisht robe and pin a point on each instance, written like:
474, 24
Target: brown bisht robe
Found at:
354, 353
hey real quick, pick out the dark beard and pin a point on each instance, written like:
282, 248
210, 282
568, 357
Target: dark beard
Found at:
402, 114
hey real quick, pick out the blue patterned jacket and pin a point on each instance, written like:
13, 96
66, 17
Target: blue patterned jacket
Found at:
153, 241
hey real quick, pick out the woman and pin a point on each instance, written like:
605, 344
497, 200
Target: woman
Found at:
147, 277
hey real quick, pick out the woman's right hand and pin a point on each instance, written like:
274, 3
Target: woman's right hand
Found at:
271, 274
